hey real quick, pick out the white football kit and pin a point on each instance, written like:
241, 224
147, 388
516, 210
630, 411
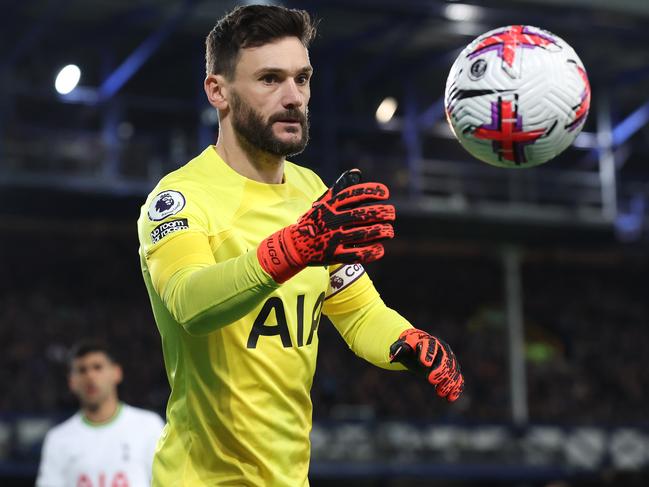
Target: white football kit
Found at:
119, 453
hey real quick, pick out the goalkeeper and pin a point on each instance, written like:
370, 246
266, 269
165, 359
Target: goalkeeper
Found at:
241, 251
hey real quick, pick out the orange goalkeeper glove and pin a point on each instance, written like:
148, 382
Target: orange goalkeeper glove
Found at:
424, 354
342, 226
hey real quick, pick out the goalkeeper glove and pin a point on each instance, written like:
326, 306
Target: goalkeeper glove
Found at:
342, 226
424, 354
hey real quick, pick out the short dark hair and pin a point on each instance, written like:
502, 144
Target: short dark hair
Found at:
83, 348
253, 26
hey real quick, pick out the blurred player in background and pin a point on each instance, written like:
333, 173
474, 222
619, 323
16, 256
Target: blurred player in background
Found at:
107, 443
241, 252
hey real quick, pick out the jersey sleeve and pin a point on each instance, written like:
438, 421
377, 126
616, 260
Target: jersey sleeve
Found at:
356, 309
201, 294
172, 209
50, 470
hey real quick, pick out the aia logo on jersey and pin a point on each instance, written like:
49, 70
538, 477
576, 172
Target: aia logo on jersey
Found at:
119, 480
278, 325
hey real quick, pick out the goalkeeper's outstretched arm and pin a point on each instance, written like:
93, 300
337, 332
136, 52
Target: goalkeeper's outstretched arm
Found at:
384, 338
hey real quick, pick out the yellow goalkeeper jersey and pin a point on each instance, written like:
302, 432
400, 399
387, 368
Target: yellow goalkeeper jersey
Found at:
240, 350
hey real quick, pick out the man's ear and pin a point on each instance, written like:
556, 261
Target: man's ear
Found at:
217, 90
118, 374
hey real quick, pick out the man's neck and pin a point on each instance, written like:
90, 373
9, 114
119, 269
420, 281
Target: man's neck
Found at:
249, 161
103, 412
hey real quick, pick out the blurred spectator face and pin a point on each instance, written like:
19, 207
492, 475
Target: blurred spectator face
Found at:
94, 378
269, 96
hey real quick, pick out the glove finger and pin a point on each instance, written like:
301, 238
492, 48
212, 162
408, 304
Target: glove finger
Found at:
372, 214
359, 255
440, 366
359, 216
349, 178
453, 389
346, 179
445, 360
449, 379
456, 391
366, 235
449, 383
359, 194
428, 351
443, 388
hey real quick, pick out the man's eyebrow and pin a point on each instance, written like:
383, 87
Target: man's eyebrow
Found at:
271, 70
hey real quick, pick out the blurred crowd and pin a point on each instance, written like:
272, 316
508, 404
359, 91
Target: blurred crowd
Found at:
585, 322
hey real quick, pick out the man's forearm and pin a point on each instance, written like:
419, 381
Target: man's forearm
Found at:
370, 330
208, 297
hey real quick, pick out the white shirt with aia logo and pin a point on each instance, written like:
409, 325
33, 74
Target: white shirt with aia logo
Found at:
118, 453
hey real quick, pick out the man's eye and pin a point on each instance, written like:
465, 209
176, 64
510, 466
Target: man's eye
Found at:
302, 79
269, 78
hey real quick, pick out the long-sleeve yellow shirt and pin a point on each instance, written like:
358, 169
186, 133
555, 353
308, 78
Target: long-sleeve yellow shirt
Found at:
240, 350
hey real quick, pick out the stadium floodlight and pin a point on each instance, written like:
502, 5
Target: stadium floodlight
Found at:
67, 79
386, 109
461, 12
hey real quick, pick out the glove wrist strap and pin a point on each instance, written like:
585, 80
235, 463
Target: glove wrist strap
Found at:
278, 256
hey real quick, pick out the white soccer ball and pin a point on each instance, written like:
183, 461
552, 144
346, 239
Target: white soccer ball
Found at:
517, 96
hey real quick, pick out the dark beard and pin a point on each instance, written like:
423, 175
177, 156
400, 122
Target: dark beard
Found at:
250, 127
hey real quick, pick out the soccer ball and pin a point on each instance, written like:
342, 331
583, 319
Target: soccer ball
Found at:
517, 96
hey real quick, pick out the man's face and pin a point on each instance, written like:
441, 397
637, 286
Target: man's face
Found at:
94, 378
269, 96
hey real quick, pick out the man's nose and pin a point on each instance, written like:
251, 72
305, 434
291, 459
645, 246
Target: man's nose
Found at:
292, 97
91, 373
